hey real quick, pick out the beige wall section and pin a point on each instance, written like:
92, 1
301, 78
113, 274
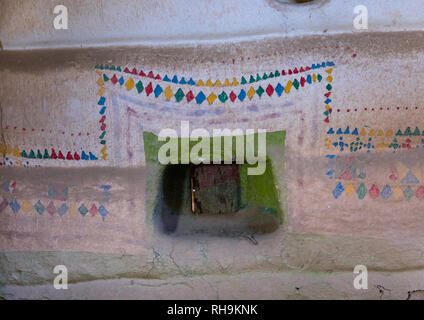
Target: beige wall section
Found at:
26, 24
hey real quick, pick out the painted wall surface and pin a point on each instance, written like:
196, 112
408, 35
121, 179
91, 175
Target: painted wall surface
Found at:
75, 188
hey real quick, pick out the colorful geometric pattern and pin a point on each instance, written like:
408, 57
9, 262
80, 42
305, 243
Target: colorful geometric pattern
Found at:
102, 105
217, 83
370, 139
327, 100
45, 154
56, 202
201, 97
53, 207
375, 192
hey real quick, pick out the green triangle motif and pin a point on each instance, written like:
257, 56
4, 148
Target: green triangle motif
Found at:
243, 80
46, 154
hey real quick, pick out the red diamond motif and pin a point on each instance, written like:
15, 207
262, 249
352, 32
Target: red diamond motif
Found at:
233, 96
189, 96
302, 81
270, 90
149, 89
420, 193
114, 79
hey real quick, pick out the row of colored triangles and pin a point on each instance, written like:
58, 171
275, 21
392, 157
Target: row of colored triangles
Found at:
408, 132
53, 155
243, 80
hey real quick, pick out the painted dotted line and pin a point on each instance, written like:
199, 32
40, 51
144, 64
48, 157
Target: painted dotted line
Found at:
217, 83
380, 109
201, 97
44, 130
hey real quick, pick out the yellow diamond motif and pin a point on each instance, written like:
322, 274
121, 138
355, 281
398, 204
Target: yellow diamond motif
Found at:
314, 77
397, 193
168, 93
350, 190
26, 206
389, 133
103, 149
330, 79
251, 93
72, 209
288, 87
211, 98
130, 84
329, 70
104, 156
101, 91
100, 82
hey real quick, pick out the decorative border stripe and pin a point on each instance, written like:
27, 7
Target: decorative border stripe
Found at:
244, 80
